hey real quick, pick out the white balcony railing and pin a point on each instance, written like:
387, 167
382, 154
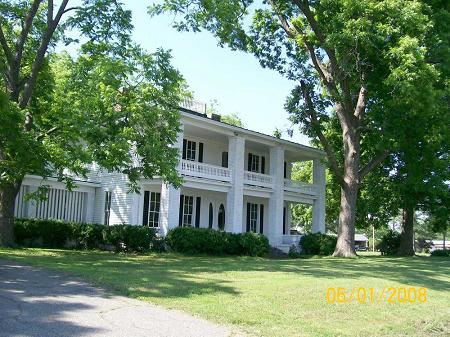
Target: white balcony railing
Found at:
201, 170
193, 105
300, 187
258, 179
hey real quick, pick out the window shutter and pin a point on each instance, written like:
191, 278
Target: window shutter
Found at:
200, 152
285, 174
263, 164
284, 220
248, 217
197, 211
261, 218
249, 164
211, 215
225, 159
146, 203
180, 218
184, 149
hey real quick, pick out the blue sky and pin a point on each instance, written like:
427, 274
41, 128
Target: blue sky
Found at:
235, 79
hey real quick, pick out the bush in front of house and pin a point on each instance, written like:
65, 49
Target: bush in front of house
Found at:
60, 234
440, 253
389, 243
317, 244
192, 240
294, 252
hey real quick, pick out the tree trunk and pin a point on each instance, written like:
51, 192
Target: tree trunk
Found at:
443, 242
7, 202
407, 235
345, 246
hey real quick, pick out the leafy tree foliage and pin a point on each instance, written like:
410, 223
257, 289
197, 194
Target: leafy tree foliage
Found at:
350, 58
232, 119
114, 104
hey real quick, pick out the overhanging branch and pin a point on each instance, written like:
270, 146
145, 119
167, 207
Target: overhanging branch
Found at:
377, 160
5, 47
323, 139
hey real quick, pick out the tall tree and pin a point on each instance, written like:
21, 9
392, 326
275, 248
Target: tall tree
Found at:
114, 104
340, 52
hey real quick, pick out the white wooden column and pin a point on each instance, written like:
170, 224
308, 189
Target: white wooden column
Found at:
235, 197
276, 200
169, 208
319, 179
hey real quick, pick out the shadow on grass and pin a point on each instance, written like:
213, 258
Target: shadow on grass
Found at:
172, 275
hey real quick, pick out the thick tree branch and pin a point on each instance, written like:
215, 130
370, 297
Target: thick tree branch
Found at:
377, 160
361, 104
48, 132
5, 47
25, 31
303, 5
37, 64
323, 140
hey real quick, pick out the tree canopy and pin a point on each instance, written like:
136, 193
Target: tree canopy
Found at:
350, 59
112, 103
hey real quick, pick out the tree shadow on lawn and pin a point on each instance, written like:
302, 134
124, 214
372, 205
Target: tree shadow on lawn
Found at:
172, 275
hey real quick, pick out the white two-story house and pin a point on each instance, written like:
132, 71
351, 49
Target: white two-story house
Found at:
235, 180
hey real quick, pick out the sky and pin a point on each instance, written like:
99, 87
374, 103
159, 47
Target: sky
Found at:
234, 79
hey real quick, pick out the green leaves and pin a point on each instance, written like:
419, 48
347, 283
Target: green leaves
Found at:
113, 104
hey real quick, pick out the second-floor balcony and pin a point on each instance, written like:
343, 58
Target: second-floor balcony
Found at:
258, 179
206, 171
299, 187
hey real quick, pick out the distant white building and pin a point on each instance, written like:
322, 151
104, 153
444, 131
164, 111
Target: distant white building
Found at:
361, 242
235, 180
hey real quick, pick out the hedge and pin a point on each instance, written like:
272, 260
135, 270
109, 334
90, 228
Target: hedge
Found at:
440, 253
191, 240
60, 234
317, 244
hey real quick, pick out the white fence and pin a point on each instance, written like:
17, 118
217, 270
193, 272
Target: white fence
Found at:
60, 205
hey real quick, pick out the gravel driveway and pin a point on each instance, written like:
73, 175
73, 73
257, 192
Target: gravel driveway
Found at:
39, 302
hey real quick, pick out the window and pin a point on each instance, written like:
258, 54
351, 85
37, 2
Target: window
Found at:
189, 150
224, 159
107, 207
252, 217
253, 162
153, 213
188, 207
221, 217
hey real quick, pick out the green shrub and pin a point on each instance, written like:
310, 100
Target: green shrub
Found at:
293, 252
59, 234
42, 233
389, 243
253, 244
441, 253
191, 240
317, 244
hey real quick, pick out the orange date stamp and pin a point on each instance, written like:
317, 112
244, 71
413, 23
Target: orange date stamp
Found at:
362, 295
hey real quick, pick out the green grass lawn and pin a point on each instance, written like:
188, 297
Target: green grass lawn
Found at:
270, 297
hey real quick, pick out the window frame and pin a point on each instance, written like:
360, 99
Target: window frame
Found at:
253, 218
154, 208
255, 163
191, 150
188, 210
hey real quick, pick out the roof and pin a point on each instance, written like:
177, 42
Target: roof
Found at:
317, 151
361, 237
